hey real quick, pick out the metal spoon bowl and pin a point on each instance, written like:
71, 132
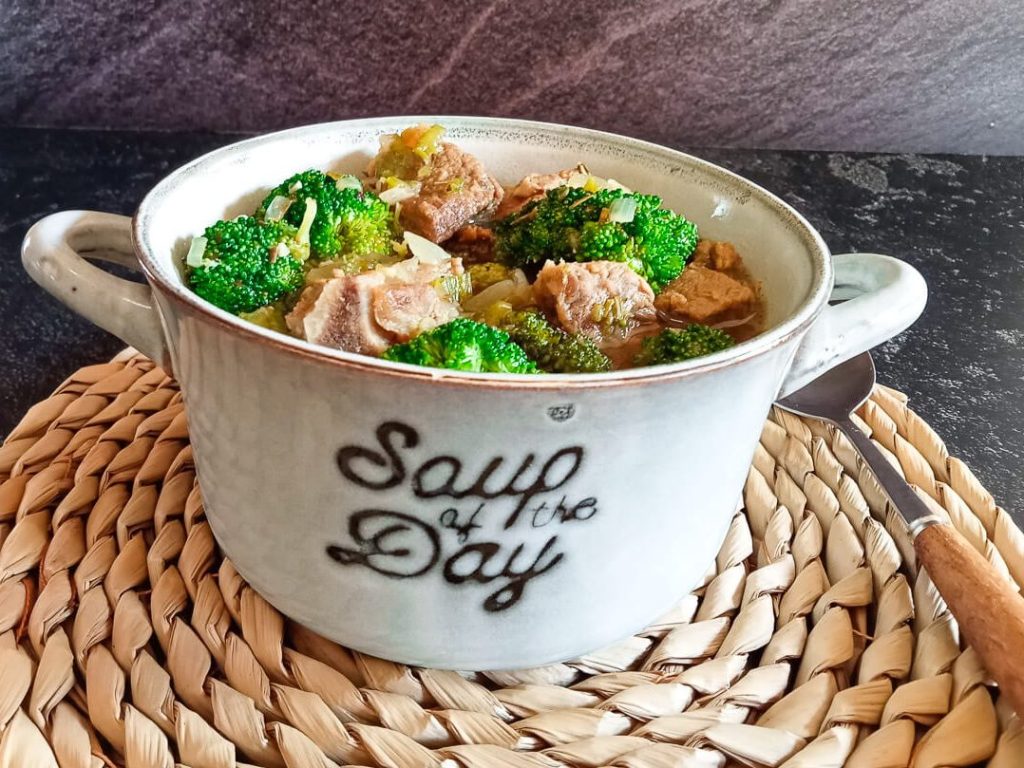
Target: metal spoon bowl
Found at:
837, 393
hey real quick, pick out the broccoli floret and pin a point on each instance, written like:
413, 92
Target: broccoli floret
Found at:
487, 274
574, 224
247, 264
554, 350
541, 229
464, 345
270, 316
674, 346
348, 221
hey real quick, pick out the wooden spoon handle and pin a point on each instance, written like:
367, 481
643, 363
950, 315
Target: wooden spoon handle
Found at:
989, 609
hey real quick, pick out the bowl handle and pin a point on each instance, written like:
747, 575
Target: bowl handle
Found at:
54, 254
880, 295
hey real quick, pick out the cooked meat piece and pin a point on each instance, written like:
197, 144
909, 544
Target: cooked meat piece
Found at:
473, 244
409, 303
369, 312
416, 271
703, 295
405, 310
724, 257
530, 188
718, 255
702, 254
339, 313
604, 300
456, 188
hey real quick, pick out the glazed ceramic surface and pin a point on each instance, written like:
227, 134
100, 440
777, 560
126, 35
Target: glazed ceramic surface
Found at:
469, 520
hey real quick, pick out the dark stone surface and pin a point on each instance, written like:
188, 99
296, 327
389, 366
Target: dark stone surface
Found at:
960, 220
921, 75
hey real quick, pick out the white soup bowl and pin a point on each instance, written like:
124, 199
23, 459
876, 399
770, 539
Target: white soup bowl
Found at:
461, 520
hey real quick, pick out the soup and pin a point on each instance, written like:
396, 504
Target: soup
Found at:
428, 260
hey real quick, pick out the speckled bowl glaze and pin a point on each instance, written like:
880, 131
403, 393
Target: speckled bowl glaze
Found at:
464, 520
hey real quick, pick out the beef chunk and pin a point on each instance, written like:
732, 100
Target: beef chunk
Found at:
474, 244
339, 313
704, 295
406, 310
368, 312
604, 300
717, 255
455, 189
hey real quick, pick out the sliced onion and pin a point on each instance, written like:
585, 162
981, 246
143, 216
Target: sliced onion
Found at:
734, 323
454, 287
622, 210
520, 277
307, 221
674, 321
492, 293
278, 208
194, 257
577, 179
348, 181
295, 187
400, 193
424, 250
325, 271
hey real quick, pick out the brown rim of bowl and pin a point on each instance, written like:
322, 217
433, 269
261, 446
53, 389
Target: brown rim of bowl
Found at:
795, 323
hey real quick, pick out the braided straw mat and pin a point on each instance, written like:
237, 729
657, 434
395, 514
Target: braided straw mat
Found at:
127, 639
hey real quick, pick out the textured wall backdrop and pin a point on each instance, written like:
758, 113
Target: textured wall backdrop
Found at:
922, 75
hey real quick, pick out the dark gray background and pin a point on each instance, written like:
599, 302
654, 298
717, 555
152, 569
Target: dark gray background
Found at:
923, 76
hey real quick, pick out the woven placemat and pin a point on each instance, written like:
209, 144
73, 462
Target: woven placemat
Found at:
127, 639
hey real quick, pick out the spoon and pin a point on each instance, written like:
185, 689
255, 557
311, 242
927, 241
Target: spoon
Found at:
988, 607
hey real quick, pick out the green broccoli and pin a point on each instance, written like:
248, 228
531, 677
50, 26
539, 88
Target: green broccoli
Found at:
270, 316
488, 273
246, 263
675, 346
464, 345
574, 224
348, 221
554, 350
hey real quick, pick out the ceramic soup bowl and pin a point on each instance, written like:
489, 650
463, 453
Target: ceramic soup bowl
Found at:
460, 520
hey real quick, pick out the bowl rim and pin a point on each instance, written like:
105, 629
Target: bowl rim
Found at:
794, 324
